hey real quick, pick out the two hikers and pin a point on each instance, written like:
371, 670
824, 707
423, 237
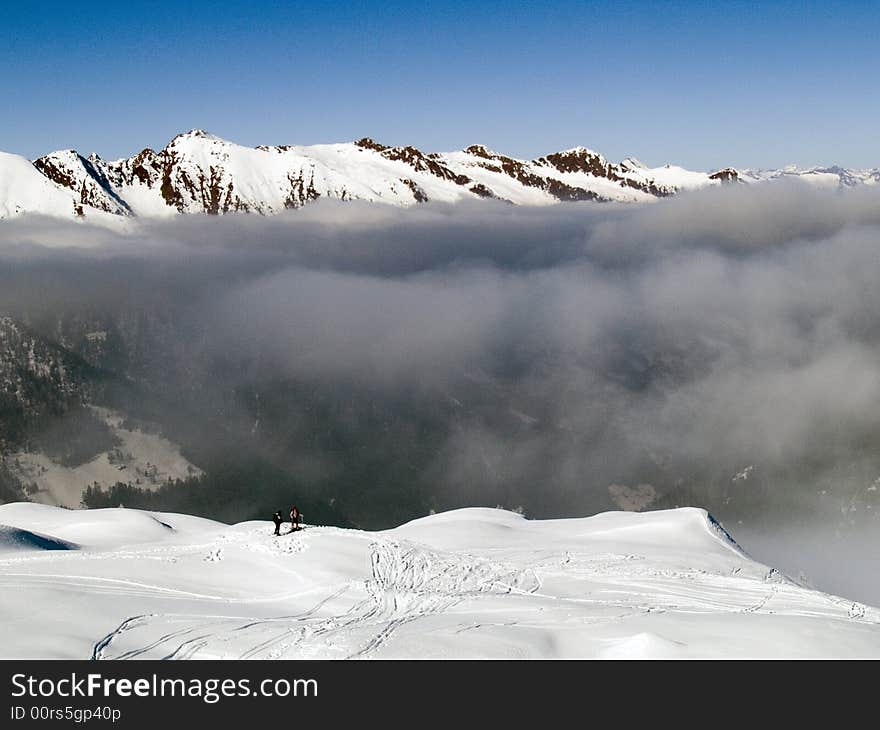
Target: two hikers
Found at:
295, 520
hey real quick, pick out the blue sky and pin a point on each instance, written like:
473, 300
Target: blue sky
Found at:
698, 84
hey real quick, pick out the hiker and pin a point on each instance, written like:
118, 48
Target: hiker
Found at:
277, 519
295, 518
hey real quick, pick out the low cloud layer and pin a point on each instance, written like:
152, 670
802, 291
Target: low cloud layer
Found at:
566, 350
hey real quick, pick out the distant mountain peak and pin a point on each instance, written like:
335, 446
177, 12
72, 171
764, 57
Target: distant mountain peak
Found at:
480, 150
197, 138
193, 134
580, 151
368, 143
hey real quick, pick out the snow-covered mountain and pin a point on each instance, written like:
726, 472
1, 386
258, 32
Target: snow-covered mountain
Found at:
200, 173
831, 177
472, 583
23, 189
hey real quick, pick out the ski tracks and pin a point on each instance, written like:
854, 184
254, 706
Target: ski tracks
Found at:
410, 582
406, 582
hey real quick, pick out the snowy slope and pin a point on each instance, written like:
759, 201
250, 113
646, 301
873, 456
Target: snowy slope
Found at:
470, 583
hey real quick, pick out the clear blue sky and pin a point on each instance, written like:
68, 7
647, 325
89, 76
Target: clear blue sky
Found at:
699, 84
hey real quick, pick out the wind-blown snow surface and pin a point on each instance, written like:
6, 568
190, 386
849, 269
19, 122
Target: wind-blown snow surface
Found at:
125, 584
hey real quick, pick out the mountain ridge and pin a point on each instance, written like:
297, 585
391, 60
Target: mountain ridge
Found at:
201, 173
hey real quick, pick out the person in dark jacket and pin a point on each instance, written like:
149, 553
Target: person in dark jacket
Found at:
277, 519
295, 518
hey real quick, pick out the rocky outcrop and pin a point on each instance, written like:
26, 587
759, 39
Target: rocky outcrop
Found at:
71, 170
727, 175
